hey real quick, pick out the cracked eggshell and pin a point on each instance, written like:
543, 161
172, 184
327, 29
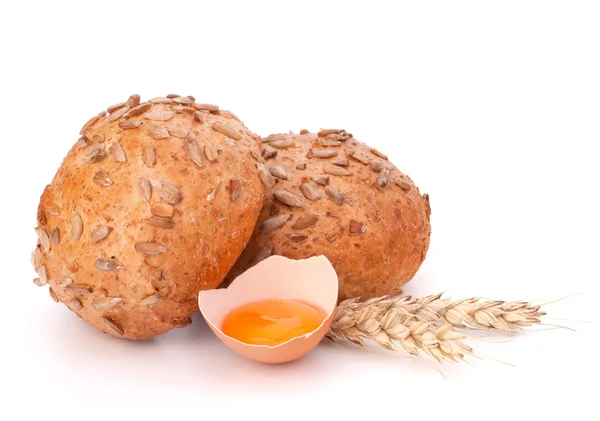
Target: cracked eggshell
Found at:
311, 280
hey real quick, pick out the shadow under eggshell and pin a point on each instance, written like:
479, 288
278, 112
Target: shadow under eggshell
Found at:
311, 280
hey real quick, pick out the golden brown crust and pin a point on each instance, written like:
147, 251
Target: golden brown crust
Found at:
338, 197
104, 266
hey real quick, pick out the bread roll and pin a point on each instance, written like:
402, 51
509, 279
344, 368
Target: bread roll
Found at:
333, 195
154, 203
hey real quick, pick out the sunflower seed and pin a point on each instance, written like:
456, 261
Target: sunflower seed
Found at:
321, 153
334, 170
255, 154
106, 303
133, 100
151, 299
102, 179
112, 326
305, 221
376, 165
356, 227
341, 162
301, 166
310, 192
235, 117
282, 144
262, 255
74, 304
44, 239
64, 282
326, 132
126, 125
269, 153
118, 114
94, 153
157, 132
183, 100
211, 152
332, 235
117, 152
334, 195
148, 155
43, 275
200, 117
288, 198
80, 288
83, 142
379, 154
362, 159
76, 227
142, 108
89, 124
148, 247
265, 175
116, 107
161, 100
171, 96
234, 189
297, 238
193, 150
108, 265
384, 177
279, 172
275, 222
162, 209
169, 193
38, 282
206, 107
55, 236
37, 259
426, 197
321, 179
304, 131
211, 196
328, 142
178, 131
342, 137
273, 137
226, 129
144, 189
159, 115
100, 233
404, 185
53, 295
159, 222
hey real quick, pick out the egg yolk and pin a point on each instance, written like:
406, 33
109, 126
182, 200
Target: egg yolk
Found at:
271, 322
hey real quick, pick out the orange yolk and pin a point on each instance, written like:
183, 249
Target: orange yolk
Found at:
271, 322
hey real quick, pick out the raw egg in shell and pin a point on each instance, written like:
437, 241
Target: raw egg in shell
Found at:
276, 311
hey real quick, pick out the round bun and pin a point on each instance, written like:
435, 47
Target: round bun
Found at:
154, 203
333, 195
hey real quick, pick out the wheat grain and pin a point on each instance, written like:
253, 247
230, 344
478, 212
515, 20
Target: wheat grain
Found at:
427, 325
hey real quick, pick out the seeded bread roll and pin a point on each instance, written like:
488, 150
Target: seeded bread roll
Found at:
154, 203
333, 195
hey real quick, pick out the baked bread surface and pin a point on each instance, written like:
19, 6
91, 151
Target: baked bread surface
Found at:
154, 203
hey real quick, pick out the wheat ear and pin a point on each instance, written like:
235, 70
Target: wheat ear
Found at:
426, 325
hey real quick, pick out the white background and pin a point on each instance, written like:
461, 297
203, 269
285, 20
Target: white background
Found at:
491, 107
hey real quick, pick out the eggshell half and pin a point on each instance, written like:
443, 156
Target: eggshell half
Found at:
311, 280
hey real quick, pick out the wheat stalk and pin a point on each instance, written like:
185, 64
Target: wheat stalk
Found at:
426, 325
